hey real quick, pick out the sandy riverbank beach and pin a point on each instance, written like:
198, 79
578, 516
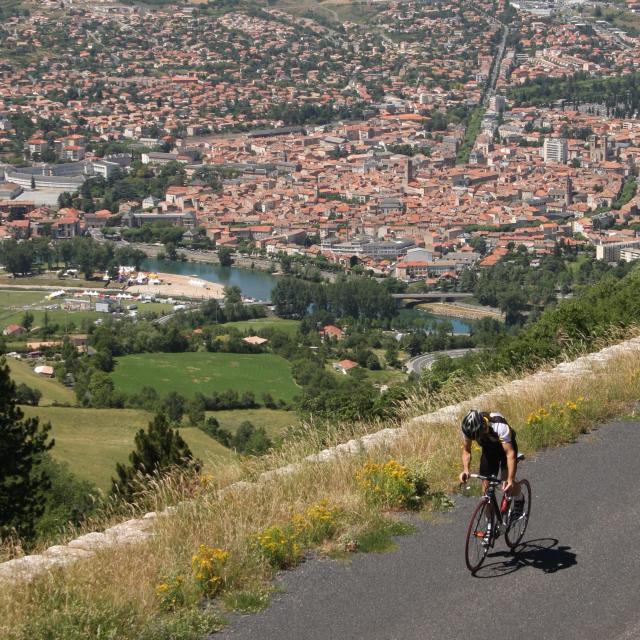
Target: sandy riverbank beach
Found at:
173, 286
464, 312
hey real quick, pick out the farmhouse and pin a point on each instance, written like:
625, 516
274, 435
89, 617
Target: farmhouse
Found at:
344, 366
44, 370
13, 330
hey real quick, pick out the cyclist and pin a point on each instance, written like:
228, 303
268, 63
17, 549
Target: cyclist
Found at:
499, 452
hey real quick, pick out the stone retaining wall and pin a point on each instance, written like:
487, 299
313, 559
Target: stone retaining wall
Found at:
138, 530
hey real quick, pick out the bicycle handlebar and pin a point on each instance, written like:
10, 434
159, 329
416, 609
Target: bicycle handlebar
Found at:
491, 479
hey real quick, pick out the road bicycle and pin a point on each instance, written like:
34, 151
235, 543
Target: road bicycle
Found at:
489, 521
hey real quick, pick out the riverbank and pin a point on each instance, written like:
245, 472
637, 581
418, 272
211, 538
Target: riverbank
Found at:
210, 257
460, 310
173, 285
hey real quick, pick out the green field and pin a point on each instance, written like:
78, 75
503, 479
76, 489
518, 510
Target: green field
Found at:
52, 391
91, 441
387, 376
13, 303
10, 298
64, 319
288, 326
188, 373
275, 422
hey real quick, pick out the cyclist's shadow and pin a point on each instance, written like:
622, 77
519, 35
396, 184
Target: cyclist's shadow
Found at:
544, 554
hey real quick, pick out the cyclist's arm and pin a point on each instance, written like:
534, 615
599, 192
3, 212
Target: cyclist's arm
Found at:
512, 463
466, 460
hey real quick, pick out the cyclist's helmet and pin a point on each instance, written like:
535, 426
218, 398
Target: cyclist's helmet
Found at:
472, 424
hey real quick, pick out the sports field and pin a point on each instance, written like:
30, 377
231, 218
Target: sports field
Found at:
187, 373
91, 441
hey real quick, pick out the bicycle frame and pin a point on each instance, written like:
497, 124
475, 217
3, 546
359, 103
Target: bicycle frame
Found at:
500, 519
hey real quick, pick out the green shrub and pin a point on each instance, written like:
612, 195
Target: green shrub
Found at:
391, 485
555, 424
208, 567
279, 546
170, 592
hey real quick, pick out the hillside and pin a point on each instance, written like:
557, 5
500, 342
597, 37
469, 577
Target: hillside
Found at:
547, 408
92, 441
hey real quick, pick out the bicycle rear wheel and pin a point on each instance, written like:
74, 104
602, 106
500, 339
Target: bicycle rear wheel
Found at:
476, 547
516, 529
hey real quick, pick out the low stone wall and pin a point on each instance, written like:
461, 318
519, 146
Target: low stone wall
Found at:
140, 529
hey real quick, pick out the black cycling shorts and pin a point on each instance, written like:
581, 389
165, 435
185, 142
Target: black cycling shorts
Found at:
494, 458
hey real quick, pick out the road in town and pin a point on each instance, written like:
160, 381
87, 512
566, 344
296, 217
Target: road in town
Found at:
497, 61
426, 360
575, 577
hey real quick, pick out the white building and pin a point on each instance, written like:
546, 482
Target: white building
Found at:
555, 150
612, 252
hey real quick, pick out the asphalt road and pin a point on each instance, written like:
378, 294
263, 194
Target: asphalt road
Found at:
426, 360
576, 577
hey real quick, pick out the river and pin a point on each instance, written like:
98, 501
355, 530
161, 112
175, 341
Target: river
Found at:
253, 283
429, 321
259, 284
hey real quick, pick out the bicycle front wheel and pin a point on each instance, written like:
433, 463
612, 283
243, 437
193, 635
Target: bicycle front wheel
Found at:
515, 531
477, 544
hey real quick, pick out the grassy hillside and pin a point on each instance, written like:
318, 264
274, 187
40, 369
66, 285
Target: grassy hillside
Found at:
331, 503
93, 440
275, 422
52, 391
188, 373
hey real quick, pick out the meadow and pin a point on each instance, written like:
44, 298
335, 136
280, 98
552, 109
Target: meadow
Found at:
52, 391
274, 421
92, 441
187, 373
288, 326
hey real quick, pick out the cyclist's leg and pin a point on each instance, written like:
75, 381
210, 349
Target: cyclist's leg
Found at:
515, 490
489, 466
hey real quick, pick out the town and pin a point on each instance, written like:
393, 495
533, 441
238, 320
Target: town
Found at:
427, 158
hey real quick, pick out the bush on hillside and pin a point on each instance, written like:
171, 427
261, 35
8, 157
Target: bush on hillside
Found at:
158, 449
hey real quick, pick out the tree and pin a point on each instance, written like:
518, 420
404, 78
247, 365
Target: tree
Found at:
195, 410
224, 255
250, 440
17, 258
158, 449
212, 428
391, 356
23, 483
171, 252
65, 200
232, 294
28, 395
69, 500
479, 244
27, 320
174, 406
100, 389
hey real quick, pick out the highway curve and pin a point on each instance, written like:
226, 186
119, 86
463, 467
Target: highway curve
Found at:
577, 576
